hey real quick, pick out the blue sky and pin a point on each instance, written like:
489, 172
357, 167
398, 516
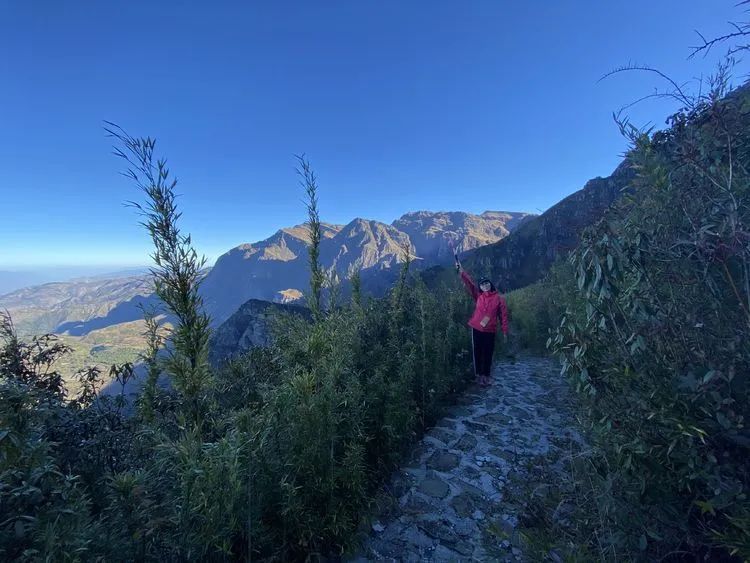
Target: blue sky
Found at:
399, 106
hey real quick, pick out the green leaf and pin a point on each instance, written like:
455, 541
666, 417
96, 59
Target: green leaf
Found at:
709, 376
642, 542
705, 506
723, 420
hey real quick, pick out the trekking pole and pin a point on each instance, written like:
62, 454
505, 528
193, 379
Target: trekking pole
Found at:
455, 256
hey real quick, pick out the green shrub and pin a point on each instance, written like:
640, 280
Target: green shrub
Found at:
535, 310
274, 455
661, 351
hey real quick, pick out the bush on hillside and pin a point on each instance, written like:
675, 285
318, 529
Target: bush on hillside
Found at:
535, 310
661, 354
275, 454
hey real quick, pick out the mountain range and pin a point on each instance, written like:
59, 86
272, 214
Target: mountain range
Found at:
276, 268
11, 280
524, 256
521, 257
63, 306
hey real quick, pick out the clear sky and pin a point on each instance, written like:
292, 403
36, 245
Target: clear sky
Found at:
400, 106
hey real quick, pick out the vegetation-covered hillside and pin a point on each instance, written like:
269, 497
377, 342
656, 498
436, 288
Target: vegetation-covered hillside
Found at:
656, 338
649, 316
275, 454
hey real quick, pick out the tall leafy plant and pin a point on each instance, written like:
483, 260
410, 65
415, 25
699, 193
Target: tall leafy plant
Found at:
178, 270
660, 349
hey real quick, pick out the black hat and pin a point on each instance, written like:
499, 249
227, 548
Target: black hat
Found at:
486, 280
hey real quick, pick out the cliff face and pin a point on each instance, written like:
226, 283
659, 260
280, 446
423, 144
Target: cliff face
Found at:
432, 233
525, 255
249, 326
259, 271
372, 247
276, 269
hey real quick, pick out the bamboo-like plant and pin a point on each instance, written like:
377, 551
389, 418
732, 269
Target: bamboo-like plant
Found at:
178, 270
309, 183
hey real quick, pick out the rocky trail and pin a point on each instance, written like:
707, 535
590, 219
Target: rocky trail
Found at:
457, 497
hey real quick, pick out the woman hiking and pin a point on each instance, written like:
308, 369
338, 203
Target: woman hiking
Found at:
490, 306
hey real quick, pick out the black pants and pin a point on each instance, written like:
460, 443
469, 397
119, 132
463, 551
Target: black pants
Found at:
484, 345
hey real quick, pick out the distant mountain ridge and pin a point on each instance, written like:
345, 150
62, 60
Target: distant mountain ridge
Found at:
15, 279
515, 253
428, 231
276, 268
524, 256
50, 306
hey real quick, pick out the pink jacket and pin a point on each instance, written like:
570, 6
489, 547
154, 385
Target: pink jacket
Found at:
490, 305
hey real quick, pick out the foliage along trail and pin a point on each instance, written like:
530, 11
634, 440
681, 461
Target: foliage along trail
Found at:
453, 500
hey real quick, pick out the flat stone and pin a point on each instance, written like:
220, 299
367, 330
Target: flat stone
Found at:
417, 505
519, 412
495, 472
439, 530
463, 505
503, 453
477, 427
444, 554
511, 519
394, 533
411, 556
447, 424
477, 515
442, 435
417, 453
463, 547
474, 492
434, 487
494, 418
469, 400
465, 528
443, 461
466, 443
506, 526
471, 472
459, 412
413, 536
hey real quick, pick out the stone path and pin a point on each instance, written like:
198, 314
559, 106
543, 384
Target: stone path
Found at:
452, 501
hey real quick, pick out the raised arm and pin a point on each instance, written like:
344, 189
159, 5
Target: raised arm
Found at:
469, 283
